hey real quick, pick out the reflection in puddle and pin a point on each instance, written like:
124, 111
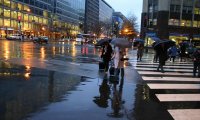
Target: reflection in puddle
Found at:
20, 97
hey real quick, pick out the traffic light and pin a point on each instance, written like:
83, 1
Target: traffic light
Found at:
19, 18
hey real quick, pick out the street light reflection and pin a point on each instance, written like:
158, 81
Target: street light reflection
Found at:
54, 50
28, 68
73, 49
42, 51
6, 54
27, 75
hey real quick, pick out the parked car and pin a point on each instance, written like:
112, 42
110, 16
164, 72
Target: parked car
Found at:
41, 39
14, 37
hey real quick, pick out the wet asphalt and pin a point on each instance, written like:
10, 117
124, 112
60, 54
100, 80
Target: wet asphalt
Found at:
61, 81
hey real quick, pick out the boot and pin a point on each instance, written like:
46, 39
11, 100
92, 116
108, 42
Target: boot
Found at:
158, 67
122, 73
162, 70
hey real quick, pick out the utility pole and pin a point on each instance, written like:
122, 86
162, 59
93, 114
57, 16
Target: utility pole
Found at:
19, 26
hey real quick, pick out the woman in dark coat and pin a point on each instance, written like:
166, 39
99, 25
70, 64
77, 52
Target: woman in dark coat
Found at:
106, 55
162, 55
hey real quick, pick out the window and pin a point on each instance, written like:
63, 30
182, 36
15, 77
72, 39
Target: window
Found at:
7, 3
6, 13
174, 22
14, 14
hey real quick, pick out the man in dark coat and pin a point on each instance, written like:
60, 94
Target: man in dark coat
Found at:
196, 59
162, 55
106, 55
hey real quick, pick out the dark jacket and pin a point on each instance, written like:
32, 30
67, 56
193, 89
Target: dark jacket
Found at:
162, 55
196, 56
107, 53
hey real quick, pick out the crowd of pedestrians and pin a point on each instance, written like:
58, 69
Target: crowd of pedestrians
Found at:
184, 51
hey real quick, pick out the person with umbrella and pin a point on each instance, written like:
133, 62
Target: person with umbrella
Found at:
183, 47
161, 51
118, 63
106, 55
140, 51
196, 59
173, 52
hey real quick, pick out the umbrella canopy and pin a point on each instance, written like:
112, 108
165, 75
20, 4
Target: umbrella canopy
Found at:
184, 43
103, 41
155, 39
121, 42
167, 44
139, 40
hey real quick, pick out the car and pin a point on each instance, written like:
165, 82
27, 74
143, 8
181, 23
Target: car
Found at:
41, 39
14, 37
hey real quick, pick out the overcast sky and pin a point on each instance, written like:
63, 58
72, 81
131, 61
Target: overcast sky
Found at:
127, 7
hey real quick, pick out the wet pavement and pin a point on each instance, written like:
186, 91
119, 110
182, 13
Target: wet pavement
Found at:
61, 81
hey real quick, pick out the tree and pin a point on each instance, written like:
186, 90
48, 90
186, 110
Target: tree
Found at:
102, 28
130, 26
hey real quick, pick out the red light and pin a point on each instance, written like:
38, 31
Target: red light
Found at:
19, 17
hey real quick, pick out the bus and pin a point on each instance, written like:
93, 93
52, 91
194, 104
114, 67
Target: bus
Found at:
84, 37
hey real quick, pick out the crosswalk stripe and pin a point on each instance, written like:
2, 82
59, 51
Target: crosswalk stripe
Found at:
166, 66
185, 114
178, 76
164, 74
167, 70
178, 97
173, 86
170, 79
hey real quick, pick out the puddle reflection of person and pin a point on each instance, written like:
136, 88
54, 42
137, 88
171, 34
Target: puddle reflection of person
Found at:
116, 100
104, 90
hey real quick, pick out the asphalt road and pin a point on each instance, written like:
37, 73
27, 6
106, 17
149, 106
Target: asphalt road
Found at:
61, 81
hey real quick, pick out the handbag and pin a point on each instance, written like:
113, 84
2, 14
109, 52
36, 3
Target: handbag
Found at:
124, 58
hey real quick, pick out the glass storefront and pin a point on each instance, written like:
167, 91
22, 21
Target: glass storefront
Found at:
36, 14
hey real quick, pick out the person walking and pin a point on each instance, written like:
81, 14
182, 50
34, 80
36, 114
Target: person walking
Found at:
182, 52
106, 55
173, 52
118, 62
162, 55
196, 62
140, 51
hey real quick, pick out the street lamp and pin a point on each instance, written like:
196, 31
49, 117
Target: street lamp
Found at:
126, 32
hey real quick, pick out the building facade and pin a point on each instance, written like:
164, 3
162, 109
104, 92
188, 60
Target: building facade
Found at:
118, 21
53, 18
68, 17
178, 20
25, 17
91, 15
105, 18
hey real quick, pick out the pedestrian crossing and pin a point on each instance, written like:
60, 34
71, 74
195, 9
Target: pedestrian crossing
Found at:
178, 84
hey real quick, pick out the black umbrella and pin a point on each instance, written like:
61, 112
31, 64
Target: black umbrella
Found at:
101, 42
121, 42
167, 44
139, 40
